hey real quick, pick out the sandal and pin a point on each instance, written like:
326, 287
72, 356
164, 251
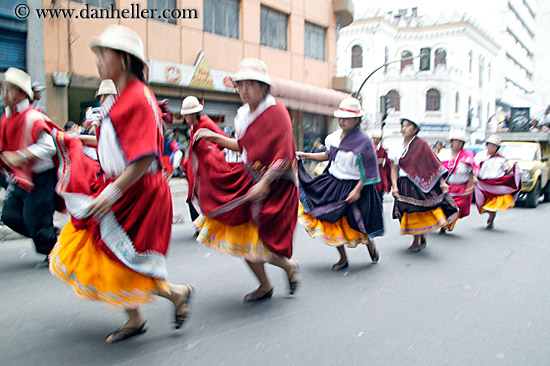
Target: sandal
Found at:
293, 285
258, 296
181, 316
414, 248
123, 333
374, 256
340, 266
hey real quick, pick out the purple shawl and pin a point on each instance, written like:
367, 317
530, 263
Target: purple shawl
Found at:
361, 145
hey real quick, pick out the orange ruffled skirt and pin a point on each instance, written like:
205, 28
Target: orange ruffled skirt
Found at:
240, 240
498, 203
77, 262
336, 233
417, 223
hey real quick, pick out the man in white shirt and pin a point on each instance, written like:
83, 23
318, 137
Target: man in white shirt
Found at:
27, 149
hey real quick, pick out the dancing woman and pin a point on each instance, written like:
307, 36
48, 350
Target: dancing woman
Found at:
422, 202
250, 210
460, 164
342, 204
113, 248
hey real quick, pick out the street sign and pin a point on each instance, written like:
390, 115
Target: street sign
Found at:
519, 120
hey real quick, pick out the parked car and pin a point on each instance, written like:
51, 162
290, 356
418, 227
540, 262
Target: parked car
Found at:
531, 151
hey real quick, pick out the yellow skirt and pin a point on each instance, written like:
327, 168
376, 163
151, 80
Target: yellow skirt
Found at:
498, 203
240, 241
333, 233
76, 261
417, 223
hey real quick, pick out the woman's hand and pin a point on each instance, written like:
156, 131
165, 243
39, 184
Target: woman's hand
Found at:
395, 192
102, 204
300, 154
204, 133
258, 192
12, 159
444, 187
353, 196
99, 207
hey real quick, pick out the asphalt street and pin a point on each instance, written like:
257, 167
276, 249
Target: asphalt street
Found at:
473, 297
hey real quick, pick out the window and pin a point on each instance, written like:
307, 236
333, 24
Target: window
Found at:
406, 54
457, 102
162, 5
471, 55
315, 41
470, 111
221, 17
479, 111
356, 57
274, 25
440, 57
99, 3
433, 99
481, 71
393, 100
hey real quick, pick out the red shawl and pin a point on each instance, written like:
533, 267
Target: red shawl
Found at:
20, 131
204, 122
384, 186
221, 187
137, 139
421, 165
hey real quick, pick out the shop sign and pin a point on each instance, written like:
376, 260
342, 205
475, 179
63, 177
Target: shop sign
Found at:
201, 77
173, 74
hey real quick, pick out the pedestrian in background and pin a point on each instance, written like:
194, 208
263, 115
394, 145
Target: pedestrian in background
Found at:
250, 210
460, 164
422, 202
28, 153
342, 204
191, 111
384, 165
113, 249
496, 189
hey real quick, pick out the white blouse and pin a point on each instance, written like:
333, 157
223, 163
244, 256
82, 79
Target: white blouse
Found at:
111, 157
493, 167
345, 165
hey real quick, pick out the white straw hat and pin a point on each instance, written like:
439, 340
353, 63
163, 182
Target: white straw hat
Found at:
106, 87
377, 134
191, 105
457, 135
252, 69
349, 108
494, 139
118, 37
412, 119
19, 78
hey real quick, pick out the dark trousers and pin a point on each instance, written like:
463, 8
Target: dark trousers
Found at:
31, 213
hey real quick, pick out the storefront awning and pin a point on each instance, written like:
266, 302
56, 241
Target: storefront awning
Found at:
307, 98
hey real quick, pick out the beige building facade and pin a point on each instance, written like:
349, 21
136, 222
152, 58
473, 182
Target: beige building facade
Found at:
193, 54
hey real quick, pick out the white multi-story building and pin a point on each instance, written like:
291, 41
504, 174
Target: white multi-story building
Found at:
458, 91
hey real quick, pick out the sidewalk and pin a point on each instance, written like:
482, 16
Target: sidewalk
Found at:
178, 188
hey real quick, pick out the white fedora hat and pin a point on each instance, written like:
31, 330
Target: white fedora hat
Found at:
191, 105
457, 135
252, 69
349, 108
377, 134
494, 139
412, 119
20, 79
107, 86
121, 38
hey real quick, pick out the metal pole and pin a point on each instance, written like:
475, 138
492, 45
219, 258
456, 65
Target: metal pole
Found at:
357, 94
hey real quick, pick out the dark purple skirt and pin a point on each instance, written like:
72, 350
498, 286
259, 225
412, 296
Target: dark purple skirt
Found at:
323, 197
412, 199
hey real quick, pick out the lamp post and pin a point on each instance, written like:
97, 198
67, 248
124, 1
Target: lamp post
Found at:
357, 94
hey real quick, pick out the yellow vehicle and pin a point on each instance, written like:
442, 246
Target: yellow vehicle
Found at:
531, 150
